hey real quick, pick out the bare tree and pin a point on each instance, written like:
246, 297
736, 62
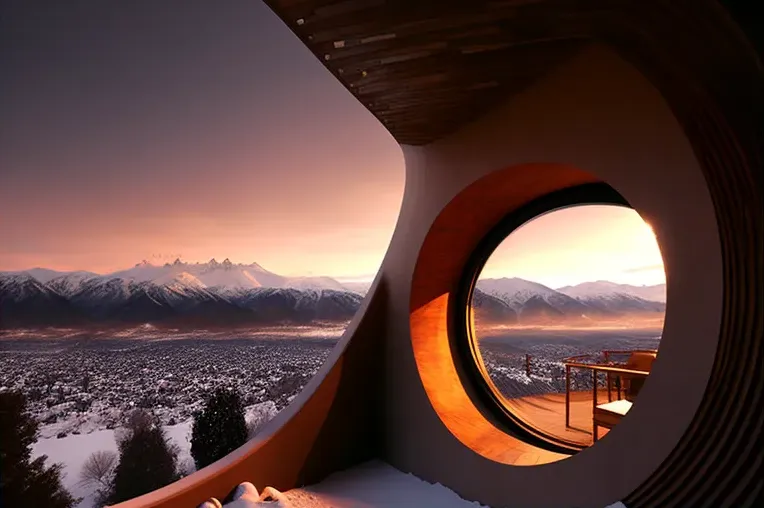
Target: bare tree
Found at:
259, 416
98, 469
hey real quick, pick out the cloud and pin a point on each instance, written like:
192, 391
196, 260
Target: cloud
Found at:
641, 269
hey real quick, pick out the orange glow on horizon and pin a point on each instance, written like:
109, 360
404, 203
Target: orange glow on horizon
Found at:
581, 244
565, 247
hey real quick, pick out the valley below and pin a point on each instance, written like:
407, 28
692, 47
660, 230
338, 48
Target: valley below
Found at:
82, 387
82, 383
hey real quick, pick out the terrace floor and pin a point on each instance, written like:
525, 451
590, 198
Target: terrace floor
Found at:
547, 414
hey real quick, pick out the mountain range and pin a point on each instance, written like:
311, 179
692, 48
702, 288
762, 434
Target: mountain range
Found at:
224, 294
213, 294
514, 300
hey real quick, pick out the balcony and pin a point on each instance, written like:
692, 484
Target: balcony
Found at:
569, 417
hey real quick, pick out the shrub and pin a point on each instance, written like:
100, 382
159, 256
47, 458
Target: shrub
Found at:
219, 428
147, 461
25, 482
98, 473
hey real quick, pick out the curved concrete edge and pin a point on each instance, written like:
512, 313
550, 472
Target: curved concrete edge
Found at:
334, 423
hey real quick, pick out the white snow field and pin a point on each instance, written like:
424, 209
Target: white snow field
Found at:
73, 450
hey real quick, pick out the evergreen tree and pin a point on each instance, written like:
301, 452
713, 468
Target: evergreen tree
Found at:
147, 461
219, 428
25, 482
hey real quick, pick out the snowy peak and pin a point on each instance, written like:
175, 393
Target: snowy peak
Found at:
229, 278
18, 286
182, 279
25, 301
181, 300
357, 287
589, 302
225, 275
45, 275
602, 288
70, 284
514, 291
315, 283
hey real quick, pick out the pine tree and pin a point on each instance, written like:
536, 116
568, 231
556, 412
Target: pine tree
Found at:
25, 482
219, 428
147, 461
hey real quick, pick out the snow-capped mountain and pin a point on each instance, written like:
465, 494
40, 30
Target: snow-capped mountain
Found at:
215, 274
224, 275
656, 293
211, 274
294, 305
45, 275
535, 303
25, 301
616, 303
359, 287
514, 291
68, 284
177, 294
490, 309
315, 283
531, 300
227, 294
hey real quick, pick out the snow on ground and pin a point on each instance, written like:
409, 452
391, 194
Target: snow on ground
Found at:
73, 450
375, 485
180, 435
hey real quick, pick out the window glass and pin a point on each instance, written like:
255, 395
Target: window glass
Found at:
574, 288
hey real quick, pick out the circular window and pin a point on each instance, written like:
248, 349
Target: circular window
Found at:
565, 303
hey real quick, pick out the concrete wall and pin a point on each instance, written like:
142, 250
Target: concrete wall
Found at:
600, 115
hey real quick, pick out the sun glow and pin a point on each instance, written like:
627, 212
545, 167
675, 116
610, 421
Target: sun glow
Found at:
581, 244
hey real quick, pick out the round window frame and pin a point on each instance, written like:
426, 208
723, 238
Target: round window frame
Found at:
471, 367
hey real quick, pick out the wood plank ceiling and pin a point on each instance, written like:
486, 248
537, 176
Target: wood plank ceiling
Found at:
426, 67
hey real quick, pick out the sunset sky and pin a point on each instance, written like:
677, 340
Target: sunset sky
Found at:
581, 244
155, 130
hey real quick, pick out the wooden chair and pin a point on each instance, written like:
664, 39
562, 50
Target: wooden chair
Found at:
608, 415
639, 360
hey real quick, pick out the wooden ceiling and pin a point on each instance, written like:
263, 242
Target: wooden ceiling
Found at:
425, 67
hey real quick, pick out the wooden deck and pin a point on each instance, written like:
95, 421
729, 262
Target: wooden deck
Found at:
547, 414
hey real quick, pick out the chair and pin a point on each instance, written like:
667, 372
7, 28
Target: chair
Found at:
638, 360
608, 415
